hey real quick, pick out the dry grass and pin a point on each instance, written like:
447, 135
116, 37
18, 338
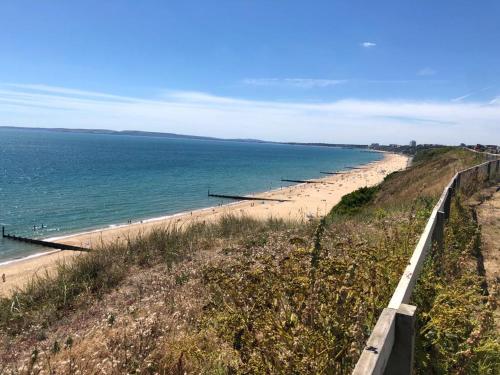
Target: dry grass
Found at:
429, 174
238, 296
456, 330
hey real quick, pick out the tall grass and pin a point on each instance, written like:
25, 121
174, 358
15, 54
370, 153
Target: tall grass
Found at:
456, 331
299, 305
46, 298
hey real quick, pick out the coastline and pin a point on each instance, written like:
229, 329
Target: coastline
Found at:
305, 201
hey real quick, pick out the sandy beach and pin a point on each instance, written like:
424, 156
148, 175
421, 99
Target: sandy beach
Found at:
303, 201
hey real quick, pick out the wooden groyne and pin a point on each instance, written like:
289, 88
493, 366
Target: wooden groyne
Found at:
306, 181
244, 198
333, 172
52, 245
390, 349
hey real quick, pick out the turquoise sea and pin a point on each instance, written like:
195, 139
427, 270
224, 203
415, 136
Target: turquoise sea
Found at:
72, 182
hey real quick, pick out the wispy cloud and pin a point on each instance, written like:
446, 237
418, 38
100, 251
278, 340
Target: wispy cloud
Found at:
64, 91
472, 93
295, 82
368, 44
348, 120
426, 72
460, 98
309, 83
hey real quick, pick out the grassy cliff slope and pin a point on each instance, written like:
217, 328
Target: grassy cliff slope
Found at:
237, 296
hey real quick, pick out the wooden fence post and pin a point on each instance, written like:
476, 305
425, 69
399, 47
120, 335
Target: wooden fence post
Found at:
403, 350
447, 204
453, 187
374, 358
438, 234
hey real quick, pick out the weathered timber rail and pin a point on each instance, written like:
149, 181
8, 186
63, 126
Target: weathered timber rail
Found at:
243, 198
390, 347
52, 245
306, 181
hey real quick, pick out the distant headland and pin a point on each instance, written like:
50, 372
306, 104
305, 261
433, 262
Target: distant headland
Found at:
141, 133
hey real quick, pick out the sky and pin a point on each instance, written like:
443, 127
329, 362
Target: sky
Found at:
308, 71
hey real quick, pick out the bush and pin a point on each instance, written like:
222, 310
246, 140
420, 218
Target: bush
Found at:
352, 203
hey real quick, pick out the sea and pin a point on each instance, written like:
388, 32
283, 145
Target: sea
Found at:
54, 183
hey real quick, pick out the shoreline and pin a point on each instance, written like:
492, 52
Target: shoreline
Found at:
309, 200
173, 215
32, 256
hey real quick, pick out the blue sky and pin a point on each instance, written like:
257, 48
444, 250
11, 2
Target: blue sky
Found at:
333, 71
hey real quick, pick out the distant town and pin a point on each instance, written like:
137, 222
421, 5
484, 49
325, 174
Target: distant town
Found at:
413, 147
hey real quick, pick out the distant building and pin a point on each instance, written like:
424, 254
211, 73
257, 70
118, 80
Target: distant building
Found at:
374, 145
492, 148
413, 144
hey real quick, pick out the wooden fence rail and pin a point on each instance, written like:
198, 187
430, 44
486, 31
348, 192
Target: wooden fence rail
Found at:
390, 347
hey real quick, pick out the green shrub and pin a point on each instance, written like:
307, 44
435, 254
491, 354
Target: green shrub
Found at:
352, 203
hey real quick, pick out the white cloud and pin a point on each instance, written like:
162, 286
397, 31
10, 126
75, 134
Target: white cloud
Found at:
348, 120
295, 82
426, 72
368, 44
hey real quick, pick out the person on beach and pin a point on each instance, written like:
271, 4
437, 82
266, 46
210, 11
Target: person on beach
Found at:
3, 277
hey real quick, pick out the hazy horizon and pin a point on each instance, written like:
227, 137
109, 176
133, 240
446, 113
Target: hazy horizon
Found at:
202, 136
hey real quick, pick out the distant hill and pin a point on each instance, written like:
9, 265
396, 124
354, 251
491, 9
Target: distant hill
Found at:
141, 133
135, 133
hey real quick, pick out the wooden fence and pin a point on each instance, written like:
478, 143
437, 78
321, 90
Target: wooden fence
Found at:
390, 347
